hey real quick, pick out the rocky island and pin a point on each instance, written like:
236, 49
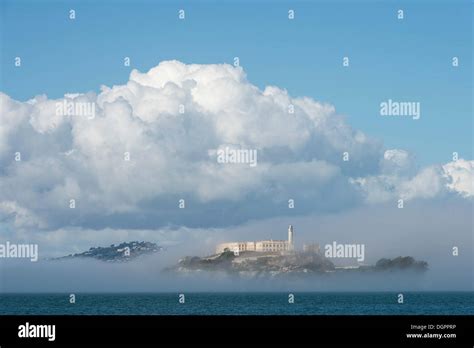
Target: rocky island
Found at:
277, 258
275, 264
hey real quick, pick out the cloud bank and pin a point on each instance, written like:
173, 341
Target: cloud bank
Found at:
154, 141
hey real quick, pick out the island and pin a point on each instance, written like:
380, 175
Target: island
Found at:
275, 258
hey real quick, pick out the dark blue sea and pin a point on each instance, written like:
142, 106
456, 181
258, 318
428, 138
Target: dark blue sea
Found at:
384, 303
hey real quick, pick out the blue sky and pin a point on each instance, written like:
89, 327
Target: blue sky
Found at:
407, 60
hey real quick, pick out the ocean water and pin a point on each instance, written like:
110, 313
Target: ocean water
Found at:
383, 303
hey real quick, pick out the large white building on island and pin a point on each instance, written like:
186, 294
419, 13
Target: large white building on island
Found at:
260, 246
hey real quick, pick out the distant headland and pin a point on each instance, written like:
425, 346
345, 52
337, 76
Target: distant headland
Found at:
122, 252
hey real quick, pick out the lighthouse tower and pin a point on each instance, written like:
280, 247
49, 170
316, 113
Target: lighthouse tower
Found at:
290, 238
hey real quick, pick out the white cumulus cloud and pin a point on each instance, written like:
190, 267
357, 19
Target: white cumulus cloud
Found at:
169, 122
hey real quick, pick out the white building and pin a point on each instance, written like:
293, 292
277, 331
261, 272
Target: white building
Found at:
260, 246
